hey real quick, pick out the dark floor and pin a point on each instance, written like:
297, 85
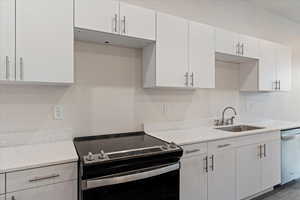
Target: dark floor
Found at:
290, 191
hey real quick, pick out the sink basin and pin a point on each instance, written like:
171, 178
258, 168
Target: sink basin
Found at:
239, 128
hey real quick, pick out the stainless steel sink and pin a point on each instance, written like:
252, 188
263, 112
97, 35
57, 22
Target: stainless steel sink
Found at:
239, 128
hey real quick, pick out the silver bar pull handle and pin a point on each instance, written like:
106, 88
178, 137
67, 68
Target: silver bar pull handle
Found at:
279, 85
212, 166
242, 49
99, 182
260, 151
124, 24
7, 67
238, 49
223, 145
192, 79
205, 164
186, 76
44, 178
265, 150
116, 23
21, 69
192, 151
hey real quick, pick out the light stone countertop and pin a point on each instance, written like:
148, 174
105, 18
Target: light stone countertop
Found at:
36, 155
209, 133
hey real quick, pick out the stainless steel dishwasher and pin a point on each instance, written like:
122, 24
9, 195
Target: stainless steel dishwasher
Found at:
290, 155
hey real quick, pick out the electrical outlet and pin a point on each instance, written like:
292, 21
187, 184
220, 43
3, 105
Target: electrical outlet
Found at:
58, 112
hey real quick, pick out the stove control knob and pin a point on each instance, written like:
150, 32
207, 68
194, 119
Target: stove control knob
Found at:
165, 147
102, 155
173, 145
90, 157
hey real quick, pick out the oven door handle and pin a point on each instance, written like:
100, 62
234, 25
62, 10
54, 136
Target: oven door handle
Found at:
94, 183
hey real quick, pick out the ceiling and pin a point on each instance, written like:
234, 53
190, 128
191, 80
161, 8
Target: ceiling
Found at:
285, 8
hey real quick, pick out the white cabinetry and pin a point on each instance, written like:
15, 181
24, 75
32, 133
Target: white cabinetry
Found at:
201, 55
274, 67
193, 173
258, 167
60, 191
137, 22
226, 42
221, 175
44, 41
284, 65
166, 62
7, 40
236, 44
248, 170
2, 184
2, 197
97, 15
110, 16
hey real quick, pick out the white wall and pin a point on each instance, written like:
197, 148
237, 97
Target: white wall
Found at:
108, 96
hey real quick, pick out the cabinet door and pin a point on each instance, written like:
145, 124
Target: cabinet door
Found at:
250, 47
171, 51
44, 41
221, 177
248, 171
61, 191
137, 22
97, 15
193, 178
2, 197
267, 66
202, 55
7, 39
271, 164
284, 65
226, 42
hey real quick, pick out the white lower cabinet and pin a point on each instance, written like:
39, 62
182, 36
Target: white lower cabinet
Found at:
221, 175
231, 169
60, 191
2, 184
193, 184
258, 168
248, 168
2, 197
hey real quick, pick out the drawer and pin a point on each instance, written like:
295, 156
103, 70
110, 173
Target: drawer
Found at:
21, 180
221, 145
259, 138
2, 183
194, 149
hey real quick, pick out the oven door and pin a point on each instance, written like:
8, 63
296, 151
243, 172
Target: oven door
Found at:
160, 183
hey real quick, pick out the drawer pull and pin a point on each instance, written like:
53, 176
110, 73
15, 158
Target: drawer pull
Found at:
44, 178
192, 151
223, 145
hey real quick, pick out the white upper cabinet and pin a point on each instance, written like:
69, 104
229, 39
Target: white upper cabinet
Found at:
201, 56
249, 47
44, 41
137, 22
267, 66
97, 15
109, 16
7, 39
284, 65
236, 44
227, 42
171, 51
274, 67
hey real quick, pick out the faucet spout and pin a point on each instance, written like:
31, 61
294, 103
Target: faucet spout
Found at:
224, 111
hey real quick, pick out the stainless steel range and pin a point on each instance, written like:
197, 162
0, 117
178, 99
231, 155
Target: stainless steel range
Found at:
128, 166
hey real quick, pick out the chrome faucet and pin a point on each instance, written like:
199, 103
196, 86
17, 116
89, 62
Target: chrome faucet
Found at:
224, 121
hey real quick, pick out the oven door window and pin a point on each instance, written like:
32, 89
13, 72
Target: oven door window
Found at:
160, 187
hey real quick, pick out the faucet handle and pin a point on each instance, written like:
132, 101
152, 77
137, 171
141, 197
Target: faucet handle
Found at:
217, 122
